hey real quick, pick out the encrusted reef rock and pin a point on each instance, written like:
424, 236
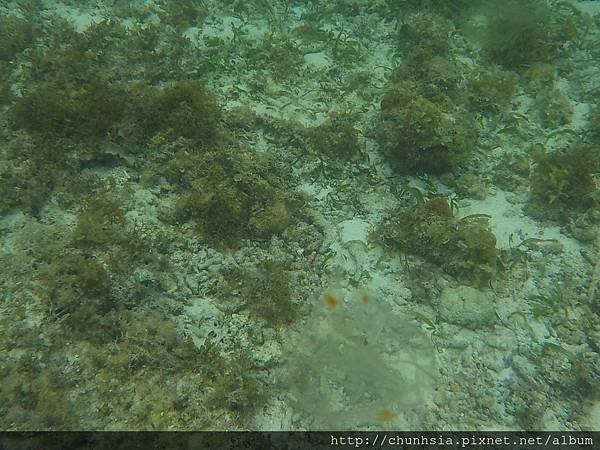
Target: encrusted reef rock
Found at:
467, 307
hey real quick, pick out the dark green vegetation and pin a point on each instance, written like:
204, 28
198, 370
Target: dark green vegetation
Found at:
442, 7
520, 34
99, 110
492, 91
264, 290
231, 194
419, 135
184, 109
434, 105
98, 123
5, 93
554, 108
17, 35
594, 121
564, 183
465, 248
183, 14
141, 351
425, 126
82, 276
517, 34
101, 123
336, 139
425, 34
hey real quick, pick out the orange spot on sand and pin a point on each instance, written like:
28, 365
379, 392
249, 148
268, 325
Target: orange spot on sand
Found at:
365, 297
330, 300
386, 415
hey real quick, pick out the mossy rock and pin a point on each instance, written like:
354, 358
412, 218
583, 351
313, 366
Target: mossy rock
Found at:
492, 90
472, 253
463, 248
78, 287
17, 35
89, 112
99, 224
95, 109
419, 136
518, 34
425, 33
337, 138
423, 230
564, 183
233, 195
594, 123
554, 108
185, 109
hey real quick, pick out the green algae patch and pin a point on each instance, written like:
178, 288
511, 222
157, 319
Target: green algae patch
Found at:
464, 248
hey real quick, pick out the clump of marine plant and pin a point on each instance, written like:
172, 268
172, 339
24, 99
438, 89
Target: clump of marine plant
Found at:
517, 34
232, 195
17, 35
564, 183
465, 248
263, 289
418, 135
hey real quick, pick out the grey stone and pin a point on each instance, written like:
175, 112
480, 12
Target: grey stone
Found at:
467, 307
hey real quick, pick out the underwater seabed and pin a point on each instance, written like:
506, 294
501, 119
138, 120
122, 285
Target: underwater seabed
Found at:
347, 215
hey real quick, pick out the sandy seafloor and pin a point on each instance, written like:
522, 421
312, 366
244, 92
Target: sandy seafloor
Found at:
382, 341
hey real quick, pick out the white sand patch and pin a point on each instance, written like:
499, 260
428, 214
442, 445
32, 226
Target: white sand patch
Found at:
508, 220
